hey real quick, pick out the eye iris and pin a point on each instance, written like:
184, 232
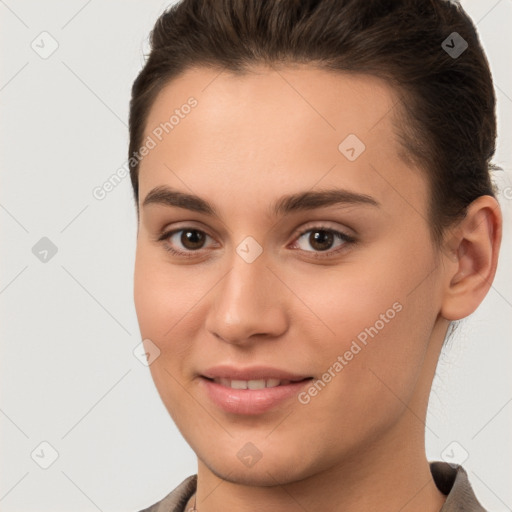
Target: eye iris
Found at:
192, 239
321, 237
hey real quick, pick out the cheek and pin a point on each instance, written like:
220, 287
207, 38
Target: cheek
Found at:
158, 311
166, 300
366, 373
163, 295
376, 327
355, 301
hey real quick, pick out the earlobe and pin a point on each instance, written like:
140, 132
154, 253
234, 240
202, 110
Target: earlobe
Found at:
473, 258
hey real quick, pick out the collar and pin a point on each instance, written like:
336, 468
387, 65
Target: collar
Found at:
452, 480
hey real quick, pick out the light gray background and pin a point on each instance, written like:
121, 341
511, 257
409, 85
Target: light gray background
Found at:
68, 328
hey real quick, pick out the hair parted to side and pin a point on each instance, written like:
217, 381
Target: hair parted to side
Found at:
447, 106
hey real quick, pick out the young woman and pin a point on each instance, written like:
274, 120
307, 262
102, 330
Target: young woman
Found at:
315, 212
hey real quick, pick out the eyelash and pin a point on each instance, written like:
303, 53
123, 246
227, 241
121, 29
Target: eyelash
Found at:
347, 239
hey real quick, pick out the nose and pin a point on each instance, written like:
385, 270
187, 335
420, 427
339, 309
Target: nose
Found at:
248, 304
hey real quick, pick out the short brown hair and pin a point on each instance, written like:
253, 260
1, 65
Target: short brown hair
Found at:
448, 101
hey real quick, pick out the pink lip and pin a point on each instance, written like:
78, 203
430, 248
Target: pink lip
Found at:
250, 401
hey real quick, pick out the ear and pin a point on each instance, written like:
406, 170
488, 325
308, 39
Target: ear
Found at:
471, 257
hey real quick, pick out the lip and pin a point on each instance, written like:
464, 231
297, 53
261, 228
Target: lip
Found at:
250, 401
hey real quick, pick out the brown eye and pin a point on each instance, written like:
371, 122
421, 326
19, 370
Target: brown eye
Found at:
192, 238
321, 240
185, 242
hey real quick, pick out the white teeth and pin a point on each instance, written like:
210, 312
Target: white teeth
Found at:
251, 384
256, 384
272, 383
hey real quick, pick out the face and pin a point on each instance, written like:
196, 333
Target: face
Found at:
304, 255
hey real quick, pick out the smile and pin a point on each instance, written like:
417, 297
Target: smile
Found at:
251, 384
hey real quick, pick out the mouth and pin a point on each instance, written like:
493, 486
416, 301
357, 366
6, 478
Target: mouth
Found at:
251, 397
254, 383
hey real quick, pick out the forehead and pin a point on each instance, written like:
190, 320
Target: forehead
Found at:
278, 96
272, 125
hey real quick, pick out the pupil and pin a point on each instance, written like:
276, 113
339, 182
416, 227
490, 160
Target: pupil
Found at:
192, 239
317, 238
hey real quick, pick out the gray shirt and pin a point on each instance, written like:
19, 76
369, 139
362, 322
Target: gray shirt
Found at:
451, 480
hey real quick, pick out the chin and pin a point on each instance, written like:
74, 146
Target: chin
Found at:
266, 475
265, 468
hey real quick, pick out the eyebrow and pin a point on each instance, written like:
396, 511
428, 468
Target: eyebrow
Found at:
301, 201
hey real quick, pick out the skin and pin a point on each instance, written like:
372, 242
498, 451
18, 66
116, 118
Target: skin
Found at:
359, 444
